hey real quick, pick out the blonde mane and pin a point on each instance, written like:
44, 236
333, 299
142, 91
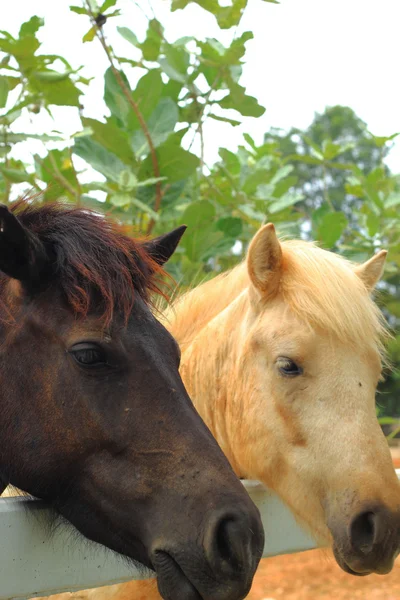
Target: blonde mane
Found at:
320, 287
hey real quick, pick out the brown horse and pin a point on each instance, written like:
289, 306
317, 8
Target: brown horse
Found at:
94, 416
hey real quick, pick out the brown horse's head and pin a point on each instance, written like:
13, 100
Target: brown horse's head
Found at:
94, 416
312, 356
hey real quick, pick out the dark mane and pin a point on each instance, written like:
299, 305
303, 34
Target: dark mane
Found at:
95, 262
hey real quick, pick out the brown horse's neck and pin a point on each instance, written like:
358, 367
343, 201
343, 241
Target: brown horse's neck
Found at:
3, 485
207, 323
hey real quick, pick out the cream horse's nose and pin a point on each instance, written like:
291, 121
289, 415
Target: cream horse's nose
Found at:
374, 537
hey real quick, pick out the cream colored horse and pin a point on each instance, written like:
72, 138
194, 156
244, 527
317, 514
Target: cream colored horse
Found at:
282, 356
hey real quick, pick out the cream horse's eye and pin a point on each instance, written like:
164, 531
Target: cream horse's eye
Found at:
288, 367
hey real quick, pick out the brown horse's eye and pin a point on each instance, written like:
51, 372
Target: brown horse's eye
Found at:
288, 367
88, 355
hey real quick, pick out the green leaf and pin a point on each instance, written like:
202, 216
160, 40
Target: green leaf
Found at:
106, 5
14, 138
147, 95
199, 217
381, 141
212, 52
330, 150
229, 16
13, 82
238, 100
97, 185
198, 213
175, 62
160, 124
51, 76
23, 48
127, 181
114, 96
92, 204
175, 163
331, 227
237, 49
113, 138
150, 181
387, 420
145, 208
3, 90
232, 122
170, 71
318, 215
392, 200
121, 199
282, 173
78, 10
171, 90
57, 162
231, 161
255, 216
373, 223
16, 175
99, 158
306, 159
128, 35
89, 35
151, 45
250, 141
114, 13
288, 199
31, 27
61, 93
253, 182
200, 245
230, 226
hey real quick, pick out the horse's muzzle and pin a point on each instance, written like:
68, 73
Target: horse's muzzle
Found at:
370, 543
221, 568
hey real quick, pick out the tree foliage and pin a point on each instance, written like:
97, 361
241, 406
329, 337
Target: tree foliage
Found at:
328, 183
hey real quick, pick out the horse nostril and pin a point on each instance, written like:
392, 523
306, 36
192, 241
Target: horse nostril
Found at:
229, 543
363, 532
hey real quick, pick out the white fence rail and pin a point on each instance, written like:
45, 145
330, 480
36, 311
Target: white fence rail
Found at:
37, 562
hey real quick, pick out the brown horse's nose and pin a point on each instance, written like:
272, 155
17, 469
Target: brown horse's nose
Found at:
232, 544
219, 564
374, 540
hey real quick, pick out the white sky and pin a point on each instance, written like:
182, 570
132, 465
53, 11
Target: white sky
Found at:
306, 54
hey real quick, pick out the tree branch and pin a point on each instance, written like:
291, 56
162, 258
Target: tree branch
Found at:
58, 176
135, 108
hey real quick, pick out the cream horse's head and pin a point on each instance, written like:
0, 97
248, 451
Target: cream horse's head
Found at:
310, 362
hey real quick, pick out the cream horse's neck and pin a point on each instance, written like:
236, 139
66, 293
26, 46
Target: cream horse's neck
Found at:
195, 309
207, 323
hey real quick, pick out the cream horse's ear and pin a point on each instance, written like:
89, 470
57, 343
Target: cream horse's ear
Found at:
371, 271
264, 260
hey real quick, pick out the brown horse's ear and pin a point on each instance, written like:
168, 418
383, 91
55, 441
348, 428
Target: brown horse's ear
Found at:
22, 254
264, 260
371, 271
162, 248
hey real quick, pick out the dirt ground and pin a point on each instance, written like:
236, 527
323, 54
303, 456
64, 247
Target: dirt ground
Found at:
315, 575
